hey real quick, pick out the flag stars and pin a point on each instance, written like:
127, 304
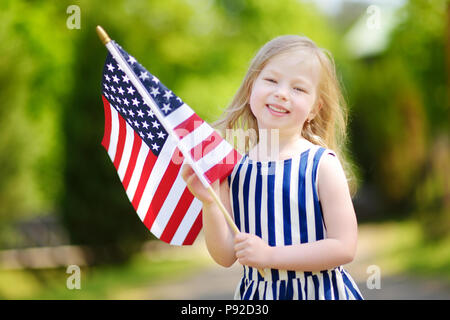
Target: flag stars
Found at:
161, 135
155, 80
131, 90
168, 94
155, 124
125, 98
144, 76
166, 107
131, 60
155, 146
154, 92
110, 67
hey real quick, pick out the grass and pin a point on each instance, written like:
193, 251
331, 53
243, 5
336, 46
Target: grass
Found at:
129, 281
396, 247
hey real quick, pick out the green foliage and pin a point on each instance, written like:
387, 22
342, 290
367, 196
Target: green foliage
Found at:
51, 118
31, 71
400, 112
51, 159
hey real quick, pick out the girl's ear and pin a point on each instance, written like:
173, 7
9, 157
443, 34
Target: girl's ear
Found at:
315, 111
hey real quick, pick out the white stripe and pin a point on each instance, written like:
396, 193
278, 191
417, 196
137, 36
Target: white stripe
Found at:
179, 115
269, 292
340, 285
129, 139
156, 175
321, 286
278, 214
310, 219
114, 137
264, 224
295, 284
136, 175
261, 287
196, 136
210, 159
311, 295
187, 222
241, 195
168, 206
294, 205
251, 199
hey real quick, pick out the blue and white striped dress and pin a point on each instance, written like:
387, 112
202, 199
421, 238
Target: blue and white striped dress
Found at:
278, 201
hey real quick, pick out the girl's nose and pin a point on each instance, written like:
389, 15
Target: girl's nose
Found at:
281, 93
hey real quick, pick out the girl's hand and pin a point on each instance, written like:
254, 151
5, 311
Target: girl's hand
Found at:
252, 251
196, 187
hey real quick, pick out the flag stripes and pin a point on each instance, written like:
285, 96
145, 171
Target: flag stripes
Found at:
167, 209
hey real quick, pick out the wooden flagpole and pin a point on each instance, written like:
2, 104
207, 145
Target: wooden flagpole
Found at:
106, 41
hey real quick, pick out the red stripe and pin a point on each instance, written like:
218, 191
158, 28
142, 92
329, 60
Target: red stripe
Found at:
207, 145
195, 230
120, 141
146, 170
223, 168
177, 215
137, 142
188, 125
163, 189
107, 131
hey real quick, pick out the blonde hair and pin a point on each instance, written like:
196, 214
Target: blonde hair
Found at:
327, 128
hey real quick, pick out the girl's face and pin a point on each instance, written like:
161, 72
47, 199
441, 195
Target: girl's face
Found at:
284, 93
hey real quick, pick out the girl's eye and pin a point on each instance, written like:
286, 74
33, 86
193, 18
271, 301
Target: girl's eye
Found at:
270, 80
299, 89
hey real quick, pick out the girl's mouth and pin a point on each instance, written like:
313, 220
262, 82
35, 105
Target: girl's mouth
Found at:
276, 110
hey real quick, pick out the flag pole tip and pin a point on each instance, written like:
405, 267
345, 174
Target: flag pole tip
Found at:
102, 35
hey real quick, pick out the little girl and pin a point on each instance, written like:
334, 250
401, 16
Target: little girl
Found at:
294, 210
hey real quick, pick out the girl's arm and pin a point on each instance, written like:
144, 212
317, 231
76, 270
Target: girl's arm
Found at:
218, 235
339, 217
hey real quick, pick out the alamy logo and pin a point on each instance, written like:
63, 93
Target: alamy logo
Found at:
74, 20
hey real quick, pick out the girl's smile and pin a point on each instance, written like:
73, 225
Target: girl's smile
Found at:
277, 110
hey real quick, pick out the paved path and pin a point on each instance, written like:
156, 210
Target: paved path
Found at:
215, 282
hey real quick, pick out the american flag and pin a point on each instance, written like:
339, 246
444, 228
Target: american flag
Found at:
147, 156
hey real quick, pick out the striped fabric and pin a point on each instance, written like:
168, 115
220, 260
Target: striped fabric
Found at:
278, 201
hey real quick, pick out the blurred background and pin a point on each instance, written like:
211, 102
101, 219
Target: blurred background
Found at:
61, 201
